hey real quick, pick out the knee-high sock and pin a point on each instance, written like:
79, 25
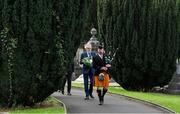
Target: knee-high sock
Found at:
104, 92
99, 94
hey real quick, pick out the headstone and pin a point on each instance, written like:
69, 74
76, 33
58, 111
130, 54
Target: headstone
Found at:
174, 85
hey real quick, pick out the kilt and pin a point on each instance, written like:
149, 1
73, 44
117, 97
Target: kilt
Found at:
104, 83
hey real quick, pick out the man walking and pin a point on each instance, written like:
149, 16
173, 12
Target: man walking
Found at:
101, 66
68, 77
88, 71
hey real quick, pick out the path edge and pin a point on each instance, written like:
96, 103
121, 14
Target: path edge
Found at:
146, 102
64, 105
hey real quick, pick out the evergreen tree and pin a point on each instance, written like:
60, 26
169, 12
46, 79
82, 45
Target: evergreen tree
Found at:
38, 39
144, 32
178, 8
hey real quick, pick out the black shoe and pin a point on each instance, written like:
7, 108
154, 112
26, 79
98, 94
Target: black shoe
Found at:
100, 103
91, 96
69, 94
86, 98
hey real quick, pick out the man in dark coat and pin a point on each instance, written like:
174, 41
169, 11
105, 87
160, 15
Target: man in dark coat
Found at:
88, 70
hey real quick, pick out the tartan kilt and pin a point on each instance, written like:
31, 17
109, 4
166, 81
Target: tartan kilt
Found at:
104, 83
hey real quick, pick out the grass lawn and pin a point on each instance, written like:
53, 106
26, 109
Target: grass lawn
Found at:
170, 101
49, 106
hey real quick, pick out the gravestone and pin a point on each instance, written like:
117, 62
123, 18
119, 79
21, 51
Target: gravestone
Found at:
174, 85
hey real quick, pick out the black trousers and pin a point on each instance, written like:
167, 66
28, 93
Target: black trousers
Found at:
67, 79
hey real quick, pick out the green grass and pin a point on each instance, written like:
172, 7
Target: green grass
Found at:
170, 101
49, 106
54, 110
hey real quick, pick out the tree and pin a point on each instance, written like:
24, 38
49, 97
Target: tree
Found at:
144, 33
38, 39
178, 8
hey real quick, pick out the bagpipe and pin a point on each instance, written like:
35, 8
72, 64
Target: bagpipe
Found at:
87, 61
108, 60
110, 57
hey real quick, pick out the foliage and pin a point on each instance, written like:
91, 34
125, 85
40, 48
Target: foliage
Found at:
144, 33
38, 41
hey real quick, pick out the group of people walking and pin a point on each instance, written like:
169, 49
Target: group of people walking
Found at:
95, 73
95, 69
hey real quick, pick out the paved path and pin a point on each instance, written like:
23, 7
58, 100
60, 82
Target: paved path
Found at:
113, 104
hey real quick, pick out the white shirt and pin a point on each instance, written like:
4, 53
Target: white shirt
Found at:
89, 54
101, 56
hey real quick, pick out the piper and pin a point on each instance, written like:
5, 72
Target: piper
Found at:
101, 64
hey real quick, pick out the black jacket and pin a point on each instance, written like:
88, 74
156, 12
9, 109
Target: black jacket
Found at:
70, 69
98, 63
